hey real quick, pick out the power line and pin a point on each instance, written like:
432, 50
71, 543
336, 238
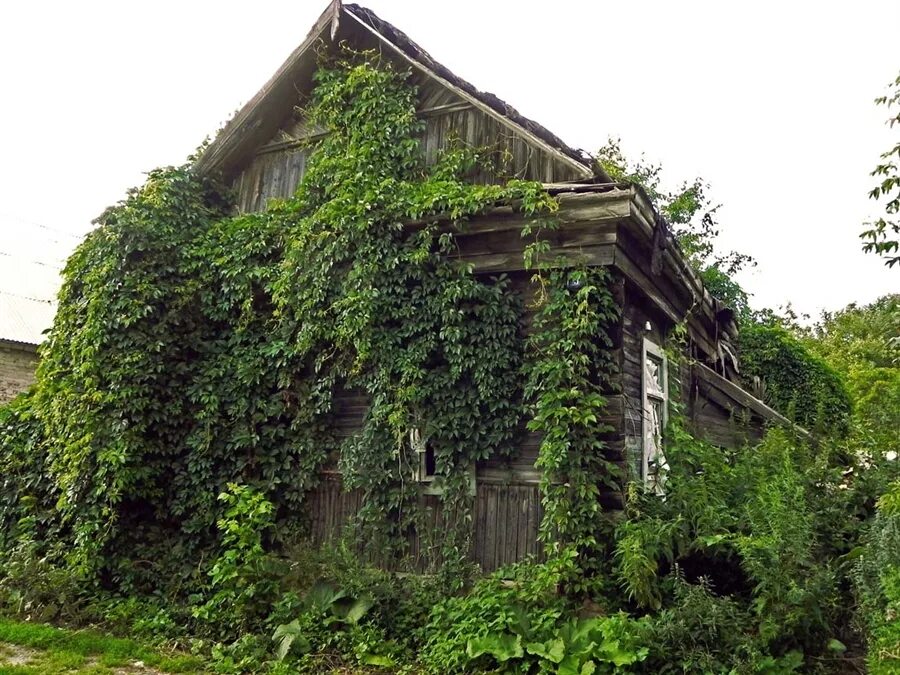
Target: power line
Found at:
33, 223
32, 262
27, 297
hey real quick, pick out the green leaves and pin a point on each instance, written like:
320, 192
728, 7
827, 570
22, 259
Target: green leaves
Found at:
798, 383
578, 647
194, 348
503, 646
569, 373
552, 650
882, 236
332, 610
290, 635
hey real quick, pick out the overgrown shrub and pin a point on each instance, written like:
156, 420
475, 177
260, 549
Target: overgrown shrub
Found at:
877, 577
796, 382
243, 578
746, 527
702, 631
520, 599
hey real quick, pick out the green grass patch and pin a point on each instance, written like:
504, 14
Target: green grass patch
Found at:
48, 649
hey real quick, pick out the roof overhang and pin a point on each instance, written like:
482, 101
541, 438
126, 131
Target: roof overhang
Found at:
732, 397
611, 224
16, 345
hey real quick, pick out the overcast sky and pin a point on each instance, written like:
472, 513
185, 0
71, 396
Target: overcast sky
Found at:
771, 102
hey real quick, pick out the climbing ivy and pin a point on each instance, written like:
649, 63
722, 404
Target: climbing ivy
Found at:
194, 349
570, 373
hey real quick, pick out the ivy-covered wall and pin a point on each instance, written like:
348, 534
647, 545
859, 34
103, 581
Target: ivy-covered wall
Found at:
194, 349
310, 351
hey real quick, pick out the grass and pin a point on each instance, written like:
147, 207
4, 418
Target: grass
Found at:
38, 649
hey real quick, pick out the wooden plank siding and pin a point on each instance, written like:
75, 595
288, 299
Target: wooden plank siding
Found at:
709, 415
507, 511
278, 166
507, 505
505, 519
637, 314
263, 154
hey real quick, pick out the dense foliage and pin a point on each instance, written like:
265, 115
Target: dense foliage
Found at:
570, 370
877, 575
193, 350
154, 479
749, 529
861, 343
793, 380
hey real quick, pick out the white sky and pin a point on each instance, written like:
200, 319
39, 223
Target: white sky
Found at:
771, 102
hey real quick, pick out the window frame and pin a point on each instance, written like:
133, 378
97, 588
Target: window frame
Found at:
651, 350
430, 484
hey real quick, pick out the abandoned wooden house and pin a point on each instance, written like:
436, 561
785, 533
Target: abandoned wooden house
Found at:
262, 153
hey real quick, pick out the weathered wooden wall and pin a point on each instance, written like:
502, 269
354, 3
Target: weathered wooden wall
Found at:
507, 501
637, 315
277, 167
717, 419
707, 414
507, 506
505, 520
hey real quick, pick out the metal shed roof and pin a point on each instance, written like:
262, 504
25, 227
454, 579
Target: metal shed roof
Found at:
24, 319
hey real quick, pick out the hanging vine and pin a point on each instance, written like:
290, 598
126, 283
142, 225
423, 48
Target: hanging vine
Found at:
570, 374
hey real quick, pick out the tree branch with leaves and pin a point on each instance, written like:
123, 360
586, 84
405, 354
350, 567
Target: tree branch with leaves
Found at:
882, 236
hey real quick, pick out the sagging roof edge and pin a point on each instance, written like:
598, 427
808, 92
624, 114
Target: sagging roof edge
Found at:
224, 153
744, 398
651, 219
216, 156
419, 56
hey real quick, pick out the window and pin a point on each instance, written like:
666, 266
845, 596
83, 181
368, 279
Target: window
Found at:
425, 468
655, 392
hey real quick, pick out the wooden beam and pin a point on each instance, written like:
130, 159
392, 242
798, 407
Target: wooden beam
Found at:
586, 207
634, 273
742, 398
298, 141
512, 261
250, 126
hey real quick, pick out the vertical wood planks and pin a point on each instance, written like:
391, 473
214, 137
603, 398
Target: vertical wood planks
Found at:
505, 520
507, 516
275, 171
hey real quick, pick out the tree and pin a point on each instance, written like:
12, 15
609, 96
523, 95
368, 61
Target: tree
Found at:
882, 236
861, 343
693, 217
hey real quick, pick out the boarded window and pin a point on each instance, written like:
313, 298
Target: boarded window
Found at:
655, 394
425, 467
